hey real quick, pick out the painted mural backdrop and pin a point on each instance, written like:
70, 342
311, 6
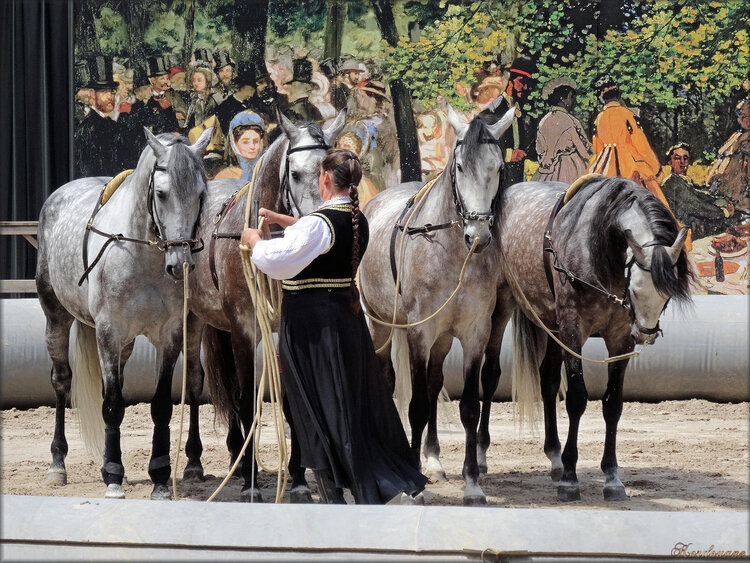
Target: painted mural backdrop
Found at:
655, 91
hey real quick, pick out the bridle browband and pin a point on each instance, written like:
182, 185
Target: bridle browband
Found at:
158, 242
286, 189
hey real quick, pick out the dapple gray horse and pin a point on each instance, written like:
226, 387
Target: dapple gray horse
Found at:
133, 288
287, 182
616, 259
466, 192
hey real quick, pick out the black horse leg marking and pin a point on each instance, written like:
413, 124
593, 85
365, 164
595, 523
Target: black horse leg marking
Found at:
550, 381
612, 409
575, 404
193, 446
469, 408
419, 408
300, 491
433, 468
57, 335
113, 411
244, 361
161, 413
490, 379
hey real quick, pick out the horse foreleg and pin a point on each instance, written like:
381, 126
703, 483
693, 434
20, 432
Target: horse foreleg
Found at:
379, 335
113, 410
161, 413
549, 373
433, 468
300, 492
612, 409
193, 447
575, 404
57, 336
244, 354
469, 407
419, 407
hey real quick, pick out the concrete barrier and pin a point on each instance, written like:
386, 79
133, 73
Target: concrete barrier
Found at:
703, 354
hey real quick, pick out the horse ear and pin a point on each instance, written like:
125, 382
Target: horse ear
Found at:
457, 122
501, 126
289, 128
335, 127
200, 145
676, 248
154, 143
637, 249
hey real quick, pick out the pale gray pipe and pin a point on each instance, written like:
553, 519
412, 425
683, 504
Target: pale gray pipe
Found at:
703, 354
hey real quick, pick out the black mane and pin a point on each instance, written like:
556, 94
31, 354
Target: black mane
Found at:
475, 136
183, 164
608, 242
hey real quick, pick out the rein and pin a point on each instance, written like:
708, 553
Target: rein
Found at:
158, 242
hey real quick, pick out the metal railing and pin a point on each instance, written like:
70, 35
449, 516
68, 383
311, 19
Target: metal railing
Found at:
28, 230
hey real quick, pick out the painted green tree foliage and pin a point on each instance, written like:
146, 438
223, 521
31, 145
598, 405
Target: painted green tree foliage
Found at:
680, 61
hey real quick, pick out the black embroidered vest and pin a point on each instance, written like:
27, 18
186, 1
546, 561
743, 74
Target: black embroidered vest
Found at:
333, 268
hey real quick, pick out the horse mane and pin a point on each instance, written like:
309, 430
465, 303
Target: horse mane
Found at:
607, 240
183, 163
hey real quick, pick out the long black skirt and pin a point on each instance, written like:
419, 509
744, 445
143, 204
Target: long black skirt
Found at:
341, 409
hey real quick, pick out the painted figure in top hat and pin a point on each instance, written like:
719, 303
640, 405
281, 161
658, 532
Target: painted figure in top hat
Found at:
298, 92
562, 147
519, 141
162, 115
98, 139
224, 69
135, 116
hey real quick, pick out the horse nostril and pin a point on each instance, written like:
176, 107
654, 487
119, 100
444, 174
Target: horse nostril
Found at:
192, 267
170, 270
467, 240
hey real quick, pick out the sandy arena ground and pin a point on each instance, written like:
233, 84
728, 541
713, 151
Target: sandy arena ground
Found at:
673, 455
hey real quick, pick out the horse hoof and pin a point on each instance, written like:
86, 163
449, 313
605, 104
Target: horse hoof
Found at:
300, 495
114, 490
615, 493
193, 473
161, 492
556, 473
434, 470
568, 493
251, 495
475, 501
436, 476
56, 478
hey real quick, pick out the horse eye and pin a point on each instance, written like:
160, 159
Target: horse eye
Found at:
295, 176
161, 194
459, 167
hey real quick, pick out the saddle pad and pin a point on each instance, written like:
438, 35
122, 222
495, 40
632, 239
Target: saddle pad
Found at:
571, 191
113, 184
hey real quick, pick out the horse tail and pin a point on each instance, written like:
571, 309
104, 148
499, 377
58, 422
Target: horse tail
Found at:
220, 373
402, 368
529, 346
86, 388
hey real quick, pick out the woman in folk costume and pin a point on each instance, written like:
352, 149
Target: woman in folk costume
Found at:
562, 147
621, 146
349, 430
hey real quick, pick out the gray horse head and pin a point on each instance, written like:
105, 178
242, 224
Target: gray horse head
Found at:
307, 146
477, 166
179, 183
651, 265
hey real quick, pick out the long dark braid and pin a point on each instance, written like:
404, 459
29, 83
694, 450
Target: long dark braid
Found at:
346, 171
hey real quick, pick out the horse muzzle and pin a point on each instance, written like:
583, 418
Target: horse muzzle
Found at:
644, 336
477, 230
174, 258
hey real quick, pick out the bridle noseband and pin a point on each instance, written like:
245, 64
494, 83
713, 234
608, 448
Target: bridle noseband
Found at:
458, 201
286, 188
627, 302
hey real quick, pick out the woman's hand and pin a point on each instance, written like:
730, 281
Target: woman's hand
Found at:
250, 237
273, 218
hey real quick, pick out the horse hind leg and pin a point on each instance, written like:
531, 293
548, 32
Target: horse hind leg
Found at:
244, 354
433, 468
57, 337
550, 385
575, 404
